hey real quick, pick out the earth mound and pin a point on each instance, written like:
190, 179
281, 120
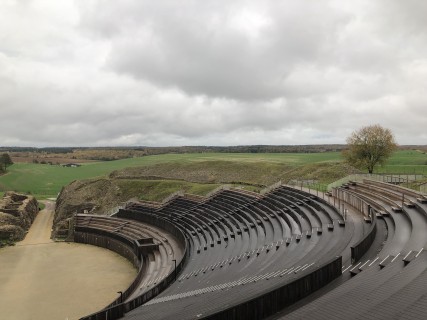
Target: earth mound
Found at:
155, 183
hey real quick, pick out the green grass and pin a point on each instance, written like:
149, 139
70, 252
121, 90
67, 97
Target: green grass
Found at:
45, 181
158, 190
405, 162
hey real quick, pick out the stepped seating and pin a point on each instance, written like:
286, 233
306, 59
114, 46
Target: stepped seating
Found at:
403, 196
387, 282
267, 233
387, 289
326, 214
244, 249
388, 241
410, 221
304, 220
216, 220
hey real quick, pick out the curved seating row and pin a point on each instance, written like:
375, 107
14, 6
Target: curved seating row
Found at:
387, 280
387, 290
249, 254
244, 237
263, 245
410, 222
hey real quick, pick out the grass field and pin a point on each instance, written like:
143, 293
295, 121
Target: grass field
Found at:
47, 180
405, 162
158, 190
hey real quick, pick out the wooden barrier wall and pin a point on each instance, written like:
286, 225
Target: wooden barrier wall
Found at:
104, 241
360, 248
277, 299
117, 309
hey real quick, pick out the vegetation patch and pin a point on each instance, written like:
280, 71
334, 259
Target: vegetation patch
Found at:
158, 190
46, 181
257, 169
155, 182
98, 187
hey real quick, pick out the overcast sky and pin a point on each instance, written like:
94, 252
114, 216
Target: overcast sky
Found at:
211, 72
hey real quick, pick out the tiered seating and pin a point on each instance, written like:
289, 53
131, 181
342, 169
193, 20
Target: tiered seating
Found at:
259, 238
249, 256
409, 221
386, 281
385, 291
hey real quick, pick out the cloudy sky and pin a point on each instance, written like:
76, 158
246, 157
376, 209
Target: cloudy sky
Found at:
211, 72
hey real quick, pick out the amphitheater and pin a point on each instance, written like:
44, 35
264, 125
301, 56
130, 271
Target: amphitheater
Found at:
356, 252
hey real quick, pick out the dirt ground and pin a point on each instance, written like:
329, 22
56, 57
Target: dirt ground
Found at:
43, 280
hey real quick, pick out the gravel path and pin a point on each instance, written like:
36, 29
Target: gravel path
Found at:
41, 279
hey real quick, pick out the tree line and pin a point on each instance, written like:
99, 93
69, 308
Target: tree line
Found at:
114, 153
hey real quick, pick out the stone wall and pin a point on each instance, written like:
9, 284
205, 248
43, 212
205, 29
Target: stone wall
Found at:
17, 213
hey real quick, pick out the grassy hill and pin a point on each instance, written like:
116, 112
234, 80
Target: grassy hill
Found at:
255, 169
100, 186
46, 180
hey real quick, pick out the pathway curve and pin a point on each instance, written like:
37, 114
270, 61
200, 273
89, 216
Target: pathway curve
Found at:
42, 279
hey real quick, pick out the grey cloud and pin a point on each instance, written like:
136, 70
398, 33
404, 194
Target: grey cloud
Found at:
233, 51
139, 72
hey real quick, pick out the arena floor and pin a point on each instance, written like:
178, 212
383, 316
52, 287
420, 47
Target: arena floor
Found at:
41, 279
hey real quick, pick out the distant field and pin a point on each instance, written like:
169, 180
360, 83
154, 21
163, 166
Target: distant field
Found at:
47, 180
406, 162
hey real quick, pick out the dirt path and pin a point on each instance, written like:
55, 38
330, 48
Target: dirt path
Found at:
40, 230
41, 279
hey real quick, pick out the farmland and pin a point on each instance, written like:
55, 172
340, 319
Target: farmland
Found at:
45, 180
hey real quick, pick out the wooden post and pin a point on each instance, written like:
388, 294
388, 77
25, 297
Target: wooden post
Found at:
174, 260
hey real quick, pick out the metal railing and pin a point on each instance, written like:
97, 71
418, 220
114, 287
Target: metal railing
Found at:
308, 184
389, 178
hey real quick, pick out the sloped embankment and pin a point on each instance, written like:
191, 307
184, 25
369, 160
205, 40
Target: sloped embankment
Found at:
156, 182
255, 173
17, 213
82, 196
101, 196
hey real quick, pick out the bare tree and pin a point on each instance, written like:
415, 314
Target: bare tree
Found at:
370, 146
